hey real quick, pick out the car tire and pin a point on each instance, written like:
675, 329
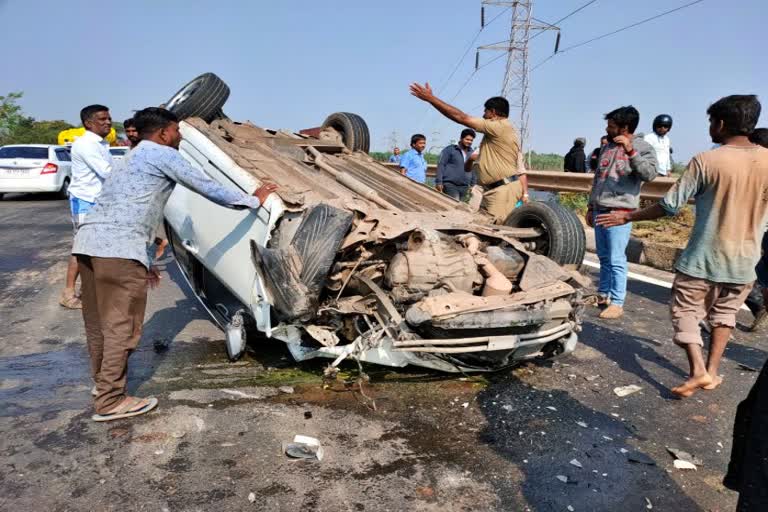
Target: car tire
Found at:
202, 97
353, 129
563, 241
63, 192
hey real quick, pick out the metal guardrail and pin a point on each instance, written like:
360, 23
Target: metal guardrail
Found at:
559, 181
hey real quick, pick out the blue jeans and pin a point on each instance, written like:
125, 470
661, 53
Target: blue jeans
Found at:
612, 250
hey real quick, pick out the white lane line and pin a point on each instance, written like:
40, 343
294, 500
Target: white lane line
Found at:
644, 279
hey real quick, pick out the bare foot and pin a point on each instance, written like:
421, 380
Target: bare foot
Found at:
690, 386
716, 381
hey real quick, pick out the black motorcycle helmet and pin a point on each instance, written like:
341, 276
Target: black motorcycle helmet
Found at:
663, 120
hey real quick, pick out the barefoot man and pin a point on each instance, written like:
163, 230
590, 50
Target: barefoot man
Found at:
717, 268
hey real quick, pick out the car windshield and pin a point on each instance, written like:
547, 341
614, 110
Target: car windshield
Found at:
32, 152
118, 151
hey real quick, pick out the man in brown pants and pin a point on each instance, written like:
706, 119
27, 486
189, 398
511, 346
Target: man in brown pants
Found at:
114, 248
717, 268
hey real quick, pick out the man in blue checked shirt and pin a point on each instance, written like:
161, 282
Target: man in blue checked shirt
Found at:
114, 249
412, 163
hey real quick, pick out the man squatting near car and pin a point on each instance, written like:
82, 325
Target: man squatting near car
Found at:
716, 269
114, 250
91, 164
500, 172
624, 164
453, 177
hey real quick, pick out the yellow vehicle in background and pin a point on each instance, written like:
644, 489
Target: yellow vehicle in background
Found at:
67, 137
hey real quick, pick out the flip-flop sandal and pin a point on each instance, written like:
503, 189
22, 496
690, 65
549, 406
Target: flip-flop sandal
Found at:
129, 407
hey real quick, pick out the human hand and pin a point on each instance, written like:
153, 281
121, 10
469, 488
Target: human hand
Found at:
423, 92
526, 198
153, 277
615, 218
160, 249
439, 188
263, 192
625, 142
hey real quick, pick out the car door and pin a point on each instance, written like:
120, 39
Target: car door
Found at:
220, 237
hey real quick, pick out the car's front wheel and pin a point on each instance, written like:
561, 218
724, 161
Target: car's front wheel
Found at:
562, 240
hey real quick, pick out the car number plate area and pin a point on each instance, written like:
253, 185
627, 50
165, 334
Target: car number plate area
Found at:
6, 172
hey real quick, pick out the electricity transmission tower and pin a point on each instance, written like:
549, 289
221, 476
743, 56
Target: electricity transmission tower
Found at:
523, 28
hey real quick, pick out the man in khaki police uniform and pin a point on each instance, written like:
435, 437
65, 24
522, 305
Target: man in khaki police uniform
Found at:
499, 171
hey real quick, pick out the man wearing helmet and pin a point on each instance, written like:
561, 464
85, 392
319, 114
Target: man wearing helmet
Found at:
660, 142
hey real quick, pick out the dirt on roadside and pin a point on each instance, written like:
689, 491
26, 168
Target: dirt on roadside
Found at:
670, 231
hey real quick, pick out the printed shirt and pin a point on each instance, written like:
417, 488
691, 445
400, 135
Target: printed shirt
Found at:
131, 203
730, 185
618, 178
662, 147
91, 164
499, 150
414, 164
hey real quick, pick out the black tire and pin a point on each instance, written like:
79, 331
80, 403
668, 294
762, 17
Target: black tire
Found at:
202, 97
63, 193
353, 129
564, 240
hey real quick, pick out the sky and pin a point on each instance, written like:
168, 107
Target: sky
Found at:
291, 63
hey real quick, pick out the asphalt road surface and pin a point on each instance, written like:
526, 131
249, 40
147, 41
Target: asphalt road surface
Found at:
434, 442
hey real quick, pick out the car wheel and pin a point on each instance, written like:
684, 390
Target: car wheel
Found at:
563, 239
64, 190
353, 129
203, 97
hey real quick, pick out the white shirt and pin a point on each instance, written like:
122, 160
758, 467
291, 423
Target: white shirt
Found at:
661, 145
91, 163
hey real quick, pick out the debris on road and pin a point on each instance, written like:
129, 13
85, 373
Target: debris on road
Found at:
252, 497
288, 390
562, 478
623, 391
649, 505
590, 378
582, 424
684, 464
684, 456
576, 463
640, 458
304, 447
748, 368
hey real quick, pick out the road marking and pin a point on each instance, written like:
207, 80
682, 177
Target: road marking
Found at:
644, 279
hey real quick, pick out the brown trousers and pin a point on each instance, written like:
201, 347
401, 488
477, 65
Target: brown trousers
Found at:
499, 202
114, 296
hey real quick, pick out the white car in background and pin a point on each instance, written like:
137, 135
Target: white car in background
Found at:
118, 152
30, 168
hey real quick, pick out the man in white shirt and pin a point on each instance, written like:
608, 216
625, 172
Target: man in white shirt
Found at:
660, 142
91, 163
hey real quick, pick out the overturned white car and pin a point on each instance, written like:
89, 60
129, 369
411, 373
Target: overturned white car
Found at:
351, 259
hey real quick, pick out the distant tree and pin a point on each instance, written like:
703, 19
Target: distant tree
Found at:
36, 132
11, 114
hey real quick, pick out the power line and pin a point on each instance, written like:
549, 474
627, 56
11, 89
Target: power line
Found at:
689, 4
466, 52
564, 17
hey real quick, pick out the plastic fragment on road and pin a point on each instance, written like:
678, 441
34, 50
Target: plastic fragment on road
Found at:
562, 478
252, 497
576, 463
648, 505
570, 508
684, 464
304, 447
551, 408
582, 424
640, 458
623, 391
683, 455
288, 390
